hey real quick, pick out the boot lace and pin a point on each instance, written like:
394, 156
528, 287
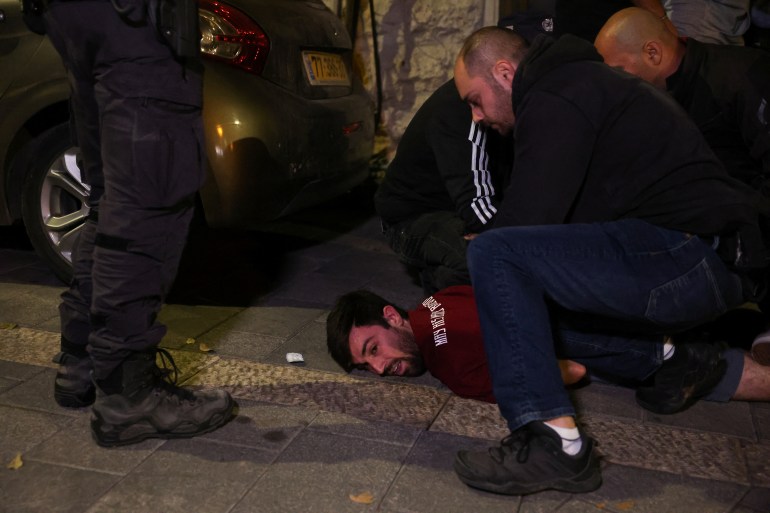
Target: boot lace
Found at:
164, 379
517, 442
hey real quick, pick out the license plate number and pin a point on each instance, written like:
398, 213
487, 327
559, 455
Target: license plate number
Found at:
325, 69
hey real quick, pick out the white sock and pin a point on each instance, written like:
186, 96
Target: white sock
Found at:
668, 349
571, 443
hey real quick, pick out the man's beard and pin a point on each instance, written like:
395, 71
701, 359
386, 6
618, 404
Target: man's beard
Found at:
415, 364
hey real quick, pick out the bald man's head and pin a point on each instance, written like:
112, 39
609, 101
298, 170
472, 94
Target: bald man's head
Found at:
637, 41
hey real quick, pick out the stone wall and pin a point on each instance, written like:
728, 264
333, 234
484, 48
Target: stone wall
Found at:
417, 42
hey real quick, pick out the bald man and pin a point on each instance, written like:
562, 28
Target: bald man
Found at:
725, 90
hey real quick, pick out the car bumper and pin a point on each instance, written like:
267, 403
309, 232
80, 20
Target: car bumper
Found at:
271, 152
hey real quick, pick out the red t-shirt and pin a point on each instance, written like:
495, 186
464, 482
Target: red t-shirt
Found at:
447, 331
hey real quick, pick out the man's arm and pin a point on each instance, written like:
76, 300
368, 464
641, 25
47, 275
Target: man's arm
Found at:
460, 148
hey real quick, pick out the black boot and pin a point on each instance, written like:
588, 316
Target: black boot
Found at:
73, 387
530, 460
692, 372
147, 406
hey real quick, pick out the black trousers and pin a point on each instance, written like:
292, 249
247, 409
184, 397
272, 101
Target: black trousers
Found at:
138, 123
433, 244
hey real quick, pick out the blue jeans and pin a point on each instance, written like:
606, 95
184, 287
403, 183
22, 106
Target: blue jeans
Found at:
624, 276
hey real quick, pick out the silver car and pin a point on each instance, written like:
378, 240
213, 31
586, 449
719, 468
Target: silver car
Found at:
288, 125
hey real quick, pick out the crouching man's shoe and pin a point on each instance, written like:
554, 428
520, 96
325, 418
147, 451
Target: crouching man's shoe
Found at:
73, 387
530, 460
147, 406
693, 371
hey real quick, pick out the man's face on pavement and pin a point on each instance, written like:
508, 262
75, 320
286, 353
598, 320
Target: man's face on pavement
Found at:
386, 351
488, 96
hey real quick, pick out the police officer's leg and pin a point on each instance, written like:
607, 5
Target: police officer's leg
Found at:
152, 164
73, 386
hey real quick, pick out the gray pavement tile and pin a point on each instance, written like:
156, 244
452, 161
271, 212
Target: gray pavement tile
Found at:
18, 371
280, 322
29, 309
333, 392
757, 499
321, 289
38, 487
631, 489
467, 417
398, 288
543, 502
184, 476
668, 449
312, 257
13, 260
21, 430
758, 460
279, 301
53, 324
7, 384
310, 342
733, 418
185, 321
73, 446
319, 472
428, 483
36, 273
339, 424
36, 393
263, 426
425, 380
241, 344
598, 398
361, 265
761, 418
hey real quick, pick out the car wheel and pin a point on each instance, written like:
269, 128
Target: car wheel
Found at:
54, 199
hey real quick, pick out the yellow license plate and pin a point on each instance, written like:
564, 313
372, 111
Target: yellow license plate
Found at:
325, 69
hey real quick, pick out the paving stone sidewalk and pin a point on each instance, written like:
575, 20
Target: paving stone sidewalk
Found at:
311, 438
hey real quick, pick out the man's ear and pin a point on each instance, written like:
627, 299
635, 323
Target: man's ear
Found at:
390, 314
503, 72
652, 52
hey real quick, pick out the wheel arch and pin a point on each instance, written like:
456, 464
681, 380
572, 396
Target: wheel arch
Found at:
19, 151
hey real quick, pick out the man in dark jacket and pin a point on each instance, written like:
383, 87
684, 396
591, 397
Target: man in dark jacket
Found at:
613, 213
725, 89
441, 187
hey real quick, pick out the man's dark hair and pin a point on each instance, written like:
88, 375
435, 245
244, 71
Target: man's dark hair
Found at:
488, 45
358, 308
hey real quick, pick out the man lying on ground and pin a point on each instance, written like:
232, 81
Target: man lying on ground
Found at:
443, 336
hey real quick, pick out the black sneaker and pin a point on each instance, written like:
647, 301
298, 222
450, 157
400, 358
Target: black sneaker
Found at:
151, 407
73, 387
693, 371
530, 460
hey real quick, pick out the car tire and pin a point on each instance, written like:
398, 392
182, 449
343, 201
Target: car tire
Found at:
54, 199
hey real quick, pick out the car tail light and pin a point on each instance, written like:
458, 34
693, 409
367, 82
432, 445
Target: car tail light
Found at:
229, 35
